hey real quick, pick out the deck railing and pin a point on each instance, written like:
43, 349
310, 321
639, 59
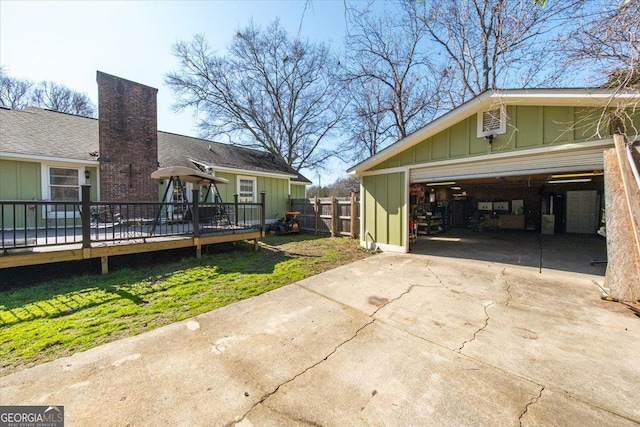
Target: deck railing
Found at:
34, 223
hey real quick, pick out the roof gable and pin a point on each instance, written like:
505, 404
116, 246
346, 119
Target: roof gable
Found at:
491, 99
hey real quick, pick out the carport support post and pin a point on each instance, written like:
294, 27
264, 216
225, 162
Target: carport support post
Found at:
85, 216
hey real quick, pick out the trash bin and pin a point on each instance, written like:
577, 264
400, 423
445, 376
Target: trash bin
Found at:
548, 224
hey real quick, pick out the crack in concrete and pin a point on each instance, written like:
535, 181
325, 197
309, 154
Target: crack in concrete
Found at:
486, 323
271, 393
409, 289
531, 402
509, 296
435, 275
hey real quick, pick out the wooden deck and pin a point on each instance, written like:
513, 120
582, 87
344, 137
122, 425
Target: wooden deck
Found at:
20, 257
44, 232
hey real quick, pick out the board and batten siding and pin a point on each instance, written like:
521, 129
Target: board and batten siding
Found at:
383, 210
298, 191
527, 127
20, 180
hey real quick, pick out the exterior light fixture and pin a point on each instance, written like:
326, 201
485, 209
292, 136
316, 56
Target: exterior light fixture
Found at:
577, 175
569, 181
435, 184
490, 138
87, 174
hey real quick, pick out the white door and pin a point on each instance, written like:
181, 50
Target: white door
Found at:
582, 211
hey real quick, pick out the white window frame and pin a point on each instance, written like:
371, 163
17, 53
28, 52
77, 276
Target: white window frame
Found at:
46, 189
495, 131
254, 188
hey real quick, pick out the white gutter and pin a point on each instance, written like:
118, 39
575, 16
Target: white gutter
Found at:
14, 156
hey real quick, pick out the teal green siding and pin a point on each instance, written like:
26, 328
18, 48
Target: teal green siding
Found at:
383, 208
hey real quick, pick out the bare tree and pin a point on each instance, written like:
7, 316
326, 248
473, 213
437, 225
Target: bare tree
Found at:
18, 94
489, 44
14, 93
269, 92
390, 80
342, 187
610, 38
607, 44
57, 97
367, 121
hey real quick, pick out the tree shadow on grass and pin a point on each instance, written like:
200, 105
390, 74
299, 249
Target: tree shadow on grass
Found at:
36, 295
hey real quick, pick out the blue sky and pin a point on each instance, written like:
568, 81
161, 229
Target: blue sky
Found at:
67, 41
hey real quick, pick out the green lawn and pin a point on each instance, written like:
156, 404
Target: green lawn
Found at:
48, 320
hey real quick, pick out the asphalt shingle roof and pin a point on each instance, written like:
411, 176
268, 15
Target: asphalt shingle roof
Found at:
51, 134
38, 132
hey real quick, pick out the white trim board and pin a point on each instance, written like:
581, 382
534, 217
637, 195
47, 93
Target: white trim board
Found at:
526, 163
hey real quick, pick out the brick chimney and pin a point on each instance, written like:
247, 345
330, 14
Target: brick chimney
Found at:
128, 139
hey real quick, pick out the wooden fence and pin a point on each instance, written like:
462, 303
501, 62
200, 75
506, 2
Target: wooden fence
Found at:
338, 216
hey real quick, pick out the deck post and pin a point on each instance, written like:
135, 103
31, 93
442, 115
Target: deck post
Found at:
85, 216
104, 262
235, 209
263, 214
195, 196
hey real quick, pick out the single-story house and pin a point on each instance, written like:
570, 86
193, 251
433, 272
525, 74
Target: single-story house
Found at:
48, 155
525, 159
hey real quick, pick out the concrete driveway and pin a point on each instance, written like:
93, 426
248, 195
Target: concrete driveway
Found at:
396, 339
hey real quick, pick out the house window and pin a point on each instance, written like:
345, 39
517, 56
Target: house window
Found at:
492, 122
246, 189
64, 186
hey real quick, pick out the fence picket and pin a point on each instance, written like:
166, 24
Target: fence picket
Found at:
331, 215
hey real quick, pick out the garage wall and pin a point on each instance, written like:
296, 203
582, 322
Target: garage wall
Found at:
527, 127
532, 197
384, 211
